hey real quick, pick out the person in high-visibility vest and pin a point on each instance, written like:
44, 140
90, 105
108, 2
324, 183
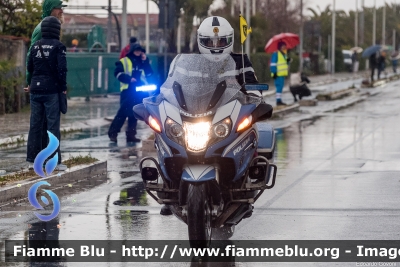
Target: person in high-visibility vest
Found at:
129, 71
279, 70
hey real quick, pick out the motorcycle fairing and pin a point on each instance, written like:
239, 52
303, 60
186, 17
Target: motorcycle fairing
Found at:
168, 110
266, 142
239, 113
198, 173
242, 151
231, 109
163, 149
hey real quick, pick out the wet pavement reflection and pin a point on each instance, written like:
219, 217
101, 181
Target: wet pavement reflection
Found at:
338, 179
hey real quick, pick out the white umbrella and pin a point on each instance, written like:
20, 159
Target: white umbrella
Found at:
356, 49
395, 56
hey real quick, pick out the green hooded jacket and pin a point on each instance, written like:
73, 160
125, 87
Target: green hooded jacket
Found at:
47, 7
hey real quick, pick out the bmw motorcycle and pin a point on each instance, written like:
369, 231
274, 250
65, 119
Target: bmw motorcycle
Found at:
214, 153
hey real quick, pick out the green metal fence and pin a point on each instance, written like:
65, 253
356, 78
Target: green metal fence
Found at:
92, 74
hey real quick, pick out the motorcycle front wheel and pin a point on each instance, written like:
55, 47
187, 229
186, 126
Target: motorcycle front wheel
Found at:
199, 216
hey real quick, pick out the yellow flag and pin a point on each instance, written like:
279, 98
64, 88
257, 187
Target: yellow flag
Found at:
244, 30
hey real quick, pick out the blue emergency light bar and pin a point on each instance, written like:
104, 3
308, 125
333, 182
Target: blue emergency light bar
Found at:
146, 88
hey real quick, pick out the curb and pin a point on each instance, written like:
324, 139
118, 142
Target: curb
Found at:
18, 191
286, 110
67, 127
334, 80
335, 94
348, 104
381, 82
308, 102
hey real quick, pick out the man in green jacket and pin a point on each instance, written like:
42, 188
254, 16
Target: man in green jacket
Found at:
49, 8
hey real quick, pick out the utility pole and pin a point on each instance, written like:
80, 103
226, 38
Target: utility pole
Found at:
333, 35
384, 24
241, 6
394, 39
329, 53
356, 26
301, 37
362, 23
254, 7
286, 15
374, 25
165, 38
147, 28
247, 44
179, 35
109, 24
124, 24
233, 7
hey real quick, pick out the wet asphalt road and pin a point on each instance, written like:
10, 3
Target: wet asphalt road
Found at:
338, 179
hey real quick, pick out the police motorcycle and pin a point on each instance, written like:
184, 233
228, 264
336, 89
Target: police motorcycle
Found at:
213, 150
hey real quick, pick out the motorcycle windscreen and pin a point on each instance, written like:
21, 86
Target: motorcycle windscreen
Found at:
198, 84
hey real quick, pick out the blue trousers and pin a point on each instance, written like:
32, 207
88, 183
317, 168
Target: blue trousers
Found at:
43, 106
129, 98
279, 83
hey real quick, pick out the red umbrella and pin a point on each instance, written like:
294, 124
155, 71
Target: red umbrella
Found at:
290, 39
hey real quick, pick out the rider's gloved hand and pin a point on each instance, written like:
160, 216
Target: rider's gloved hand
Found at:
275, 76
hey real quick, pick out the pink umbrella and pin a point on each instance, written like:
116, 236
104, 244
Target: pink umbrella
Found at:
291, 40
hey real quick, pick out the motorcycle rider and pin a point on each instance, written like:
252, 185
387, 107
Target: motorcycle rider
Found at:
215, 38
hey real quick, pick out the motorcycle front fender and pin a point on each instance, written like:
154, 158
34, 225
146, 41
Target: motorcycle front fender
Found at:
199, 173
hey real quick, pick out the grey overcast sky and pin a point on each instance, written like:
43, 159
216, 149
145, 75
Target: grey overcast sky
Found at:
139, 6
347, 5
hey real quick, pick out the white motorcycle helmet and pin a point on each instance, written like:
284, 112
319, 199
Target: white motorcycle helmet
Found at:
215, 36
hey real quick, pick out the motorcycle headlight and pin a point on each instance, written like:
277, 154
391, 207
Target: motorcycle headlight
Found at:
174, 131
221, 130
197, 135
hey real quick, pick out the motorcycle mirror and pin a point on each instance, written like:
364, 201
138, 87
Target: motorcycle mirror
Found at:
140, 112
149, 174
262, 112
259, 87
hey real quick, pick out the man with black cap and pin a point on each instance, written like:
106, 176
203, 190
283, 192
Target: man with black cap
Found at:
129, 71
49, 8
48, 65
279, 70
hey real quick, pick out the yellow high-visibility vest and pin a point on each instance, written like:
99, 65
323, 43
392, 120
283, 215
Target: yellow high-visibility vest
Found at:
282, 68
128, 68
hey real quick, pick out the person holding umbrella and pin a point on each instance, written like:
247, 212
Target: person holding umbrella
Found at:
279, 67
372, 53
373, 64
